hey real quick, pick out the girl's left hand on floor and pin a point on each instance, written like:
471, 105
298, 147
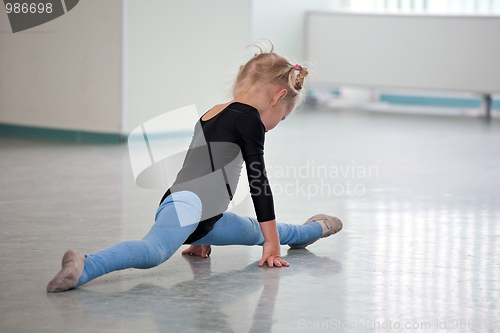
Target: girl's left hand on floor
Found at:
198, 250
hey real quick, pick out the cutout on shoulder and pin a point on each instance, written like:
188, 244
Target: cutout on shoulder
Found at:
214, 111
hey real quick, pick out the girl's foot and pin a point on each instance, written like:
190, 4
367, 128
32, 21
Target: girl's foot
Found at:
330, 225
198, 250
72, 268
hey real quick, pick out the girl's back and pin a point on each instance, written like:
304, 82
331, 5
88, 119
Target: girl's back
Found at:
213, 163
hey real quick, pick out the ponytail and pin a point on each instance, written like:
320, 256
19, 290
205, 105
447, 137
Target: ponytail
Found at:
269, 67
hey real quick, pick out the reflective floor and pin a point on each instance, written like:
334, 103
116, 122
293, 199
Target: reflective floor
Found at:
420, 248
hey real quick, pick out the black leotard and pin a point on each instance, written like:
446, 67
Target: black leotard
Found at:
213, 165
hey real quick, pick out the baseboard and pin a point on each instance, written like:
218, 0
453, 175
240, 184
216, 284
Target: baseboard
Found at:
53, 134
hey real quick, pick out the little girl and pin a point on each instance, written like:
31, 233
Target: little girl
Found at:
193, 210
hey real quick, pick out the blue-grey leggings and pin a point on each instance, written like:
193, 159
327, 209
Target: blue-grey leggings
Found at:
176, 218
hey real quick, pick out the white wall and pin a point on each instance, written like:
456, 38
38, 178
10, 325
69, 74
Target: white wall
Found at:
65, 73
68, 73
180, 53
443, 52
282, 21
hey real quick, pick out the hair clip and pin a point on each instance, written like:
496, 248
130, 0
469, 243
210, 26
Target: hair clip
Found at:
297, 67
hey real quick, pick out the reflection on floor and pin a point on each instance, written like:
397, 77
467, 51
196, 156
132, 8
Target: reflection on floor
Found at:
420, 246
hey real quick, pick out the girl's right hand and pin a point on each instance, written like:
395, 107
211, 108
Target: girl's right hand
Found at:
198, 250
271, 255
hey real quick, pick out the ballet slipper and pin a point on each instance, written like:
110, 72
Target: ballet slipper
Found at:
67, 278
329, 224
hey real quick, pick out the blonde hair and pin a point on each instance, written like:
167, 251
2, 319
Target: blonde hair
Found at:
271, 68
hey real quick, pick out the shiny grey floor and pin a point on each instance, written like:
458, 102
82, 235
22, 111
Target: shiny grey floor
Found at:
420, 244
